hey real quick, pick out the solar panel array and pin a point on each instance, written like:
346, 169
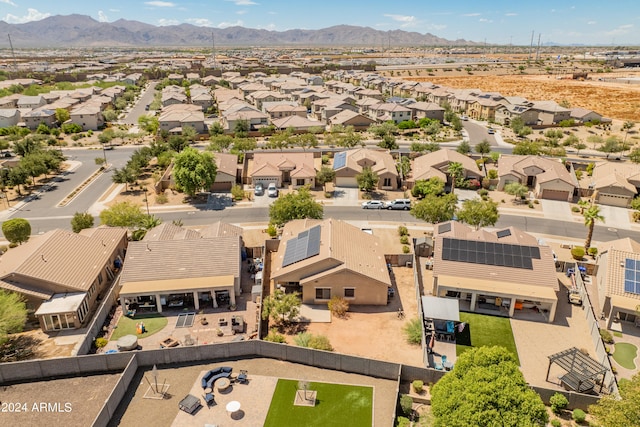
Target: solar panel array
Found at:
444, 228
489, 253
305, 245
339, 160
632, 276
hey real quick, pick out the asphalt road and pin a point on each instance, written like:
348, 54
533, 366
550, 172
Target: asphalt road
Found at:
138, 109
477, 133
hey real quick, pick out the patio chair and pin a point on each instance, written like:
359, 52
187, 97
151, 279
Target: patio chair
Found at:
209, 399
242, 378
444, 359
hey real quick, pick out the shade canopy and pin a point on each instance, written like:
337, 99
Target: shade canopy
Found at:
441, 308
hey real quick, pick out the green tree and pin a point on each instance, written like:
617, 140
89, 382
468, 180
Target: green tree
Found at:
281, 140
281, 307
516, 189
220, 143
16, 230
424, 187
123, 214
517, 124
367, 179
244, 144
149, 124
634, 155
611, 411
216, 129
189, 133
434, 209
483, 147
242, 128
611, 145
456, 172
403, 166
525, 148
464, 147
294, 205
479, 213
62, 115
80, 221
194, 170
486, 388
178, 143
305, 140
324, 175
125, 175
13, 314
591, 215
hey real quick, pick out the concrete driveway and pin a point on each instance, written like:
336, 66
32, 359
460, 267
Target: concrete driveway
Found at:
556, 210
344, 196
615, 217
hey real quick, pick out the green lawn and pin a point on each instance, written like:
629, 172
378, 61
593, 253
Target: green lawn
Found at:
625, 354
153, 323
483, 330
336, 405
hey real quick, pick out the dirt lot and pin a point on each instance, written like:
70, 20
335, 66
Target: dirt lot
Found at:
616, 101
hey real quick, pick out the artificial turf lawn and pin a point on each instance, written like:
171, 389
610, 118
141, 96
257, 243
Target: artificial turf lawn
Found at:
486, 330
153, 323
625, 354
336, 405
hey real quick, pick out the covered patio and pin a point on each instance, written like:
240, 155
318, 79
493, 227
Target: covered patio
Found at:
582, 373
441, 317
199, 292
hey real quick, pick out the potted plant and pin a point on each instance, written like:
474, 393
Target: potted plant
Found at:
219, 332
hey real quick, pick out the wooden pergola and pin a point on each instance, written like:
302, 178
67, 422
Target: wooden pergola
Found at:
582, 372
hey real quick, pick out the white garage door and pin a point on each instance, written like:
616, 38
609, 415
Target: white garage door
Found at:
613, 200
266, 181
346, 182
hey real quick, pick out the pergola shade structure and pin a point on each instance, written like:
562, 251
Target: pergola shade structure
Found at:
582, 372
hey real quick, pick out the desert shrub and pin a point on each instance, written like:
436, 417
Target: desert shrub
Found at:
237, 192
413, 331
593, 251
579, 416
302, 339
577, 252
13, 245
483, 192
418, 386
272, 231
406, 249
636, 216
403, 231
325, 159
530, 205
606, 336
406, 403
274, 336
575, 209
558, 402
328, 194
101, 342
403, 422
536, 201
556, 423
320, 342
404, 240
3, 249
338, 306
161, 199
493, 174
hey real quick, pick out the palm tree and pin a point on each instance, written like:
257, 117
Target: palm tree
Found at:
591, 215
455, 171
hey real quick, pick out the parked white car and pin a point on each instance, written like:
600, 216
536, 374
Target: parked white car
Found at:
272, 190
372, 204
399, 204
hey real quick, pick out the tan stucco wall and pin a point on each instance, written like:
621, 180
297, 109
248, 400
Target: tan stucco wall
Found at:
367, 290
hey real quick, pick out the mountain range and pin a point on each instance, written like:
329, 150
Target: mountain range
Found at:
83, 31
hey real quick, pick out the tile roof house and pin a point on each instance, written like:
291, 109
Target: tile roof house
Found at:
173, 117
348, 164
615, 184
59, 264
435, 164
290, 168
174, 269
582, 115
428, 110
618, 280
296, 123
548, 178
43, 115
550, 113
87, 116
351, 118
36, 101
503, 272
9, 117
315, 259
385, 112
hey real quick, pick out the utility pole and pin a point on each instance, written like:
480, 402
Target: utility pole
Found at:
531, 46
538, 50
13, 54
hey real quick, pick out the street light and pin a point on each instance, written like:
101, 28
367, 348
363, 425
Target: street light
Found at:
104, 154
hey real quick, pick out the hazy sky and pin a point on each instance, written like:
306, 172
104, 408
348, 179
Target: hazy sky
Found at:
498, 21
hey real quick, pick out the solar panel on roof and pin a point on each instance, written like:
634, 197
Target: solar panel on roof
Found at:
503, 233
632, 276
491, 253
340, 160
444, 228
535, 252
305, 245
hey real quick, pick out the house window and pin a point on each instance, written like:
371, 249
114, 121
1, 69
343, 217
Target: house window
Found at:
349, 292
299, 181
323, 293
387, 182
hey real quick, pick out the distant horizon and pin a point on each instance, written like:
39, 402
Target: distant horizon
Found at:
498, 22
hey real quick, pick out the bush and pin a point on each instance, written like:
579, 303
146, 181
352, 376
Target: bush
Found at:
404, 240
493, 174
575, 209
579, 416
530, 205
413, 331
406, 249
272, 231
3, 249
338, 306
403, 231
577, 252
237, 192
406, 403
558, 402
325, 159
161, 199
274, 336
556, 423
302, 339
101, 342
483, 192
593, 251
418, 386
606, 336
320, 342
403, 422
636, 216
13, 245
328, 194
